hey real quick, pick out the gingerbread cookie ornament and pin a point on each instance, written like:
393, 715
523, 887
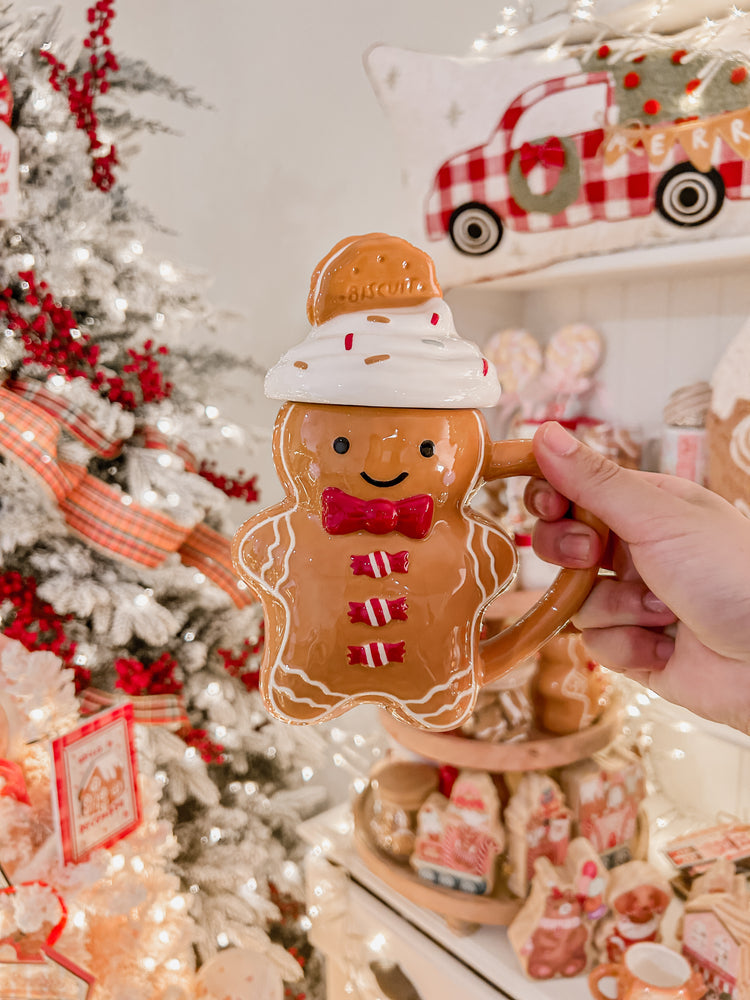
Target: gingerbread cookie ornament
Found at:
373, 570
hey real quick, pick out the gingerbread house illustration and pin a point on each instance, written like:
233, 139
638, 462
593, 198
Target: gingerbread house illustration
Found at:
716, 937
604, 794
538, 823
459, 839
102, 787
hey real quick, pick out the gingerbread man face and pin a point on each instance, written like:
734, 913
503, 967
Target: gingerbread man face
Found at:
642, 903
373, 570
389, 453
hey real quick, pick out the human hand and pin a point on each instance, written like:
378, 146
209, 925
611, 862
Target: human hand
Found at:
676, 614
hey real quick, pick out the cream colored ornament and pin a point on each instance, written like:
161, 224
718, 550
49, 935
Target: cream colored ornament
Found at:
240, 974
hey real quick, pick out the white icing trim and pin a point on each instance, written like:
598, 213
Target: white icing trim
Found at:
739, 445
324, 270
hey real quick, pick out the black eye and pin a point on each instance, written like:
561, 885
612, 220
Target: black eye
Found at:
341, 445
427, 448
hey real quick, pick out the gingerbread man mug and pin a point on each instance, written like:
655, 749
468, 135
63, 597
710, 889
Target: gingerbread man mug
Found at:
374, 571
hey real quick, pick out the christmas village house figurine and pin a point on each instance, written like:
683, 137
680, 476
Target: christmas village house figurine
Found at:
715, 931
538, 823
373, 571
459, 839
605, 793
552, 933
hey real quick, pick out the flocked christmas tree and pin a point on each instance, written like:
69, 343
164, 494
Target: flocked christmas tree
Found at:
113, 539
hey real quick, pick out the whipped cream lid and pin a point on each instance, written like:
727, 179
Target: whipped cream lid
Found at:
410, 356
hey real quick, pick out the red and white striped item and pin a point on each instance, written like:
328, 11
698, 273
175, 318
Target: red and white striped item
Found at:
378, 611
379, 564
465, 849
166, 710
67, 415
377, 654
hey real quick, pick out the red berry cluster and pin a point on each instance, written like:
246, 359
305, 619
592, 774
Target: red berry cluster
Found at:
145, 366
49, 332
237, 488
235, 663
288, 991
210, 752
138, 678
93, 81
35, 623
50, 335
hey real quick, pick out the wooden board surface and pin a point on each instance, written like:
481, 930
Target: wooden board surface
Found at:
530, 755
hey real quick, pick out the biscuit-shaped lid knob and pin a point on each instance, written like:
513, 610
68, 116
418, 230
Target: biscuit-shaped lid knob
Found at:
381, 335
375, 271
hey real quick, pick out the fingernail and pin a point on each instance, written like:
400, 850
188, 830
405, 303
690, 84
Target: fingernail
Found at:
664, 649
575, 545
558, 440
652, 603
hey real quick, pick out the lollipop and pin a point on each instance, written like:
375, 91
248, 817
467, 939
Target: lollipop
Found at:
517, 357
574, 352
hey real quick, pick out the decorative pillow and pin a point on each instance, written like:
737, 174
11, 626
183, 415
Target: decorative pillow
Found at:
519, 161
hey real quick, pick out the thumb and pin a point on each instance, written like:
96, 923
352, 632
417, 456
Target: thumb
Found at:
627, 501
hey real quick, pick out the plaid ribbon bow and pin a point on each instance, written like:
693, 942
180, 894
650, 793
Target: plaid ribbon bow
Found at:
31, 420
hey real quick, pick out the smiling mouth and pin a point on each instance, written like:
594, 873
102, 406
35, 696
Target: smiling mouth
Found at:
384, 482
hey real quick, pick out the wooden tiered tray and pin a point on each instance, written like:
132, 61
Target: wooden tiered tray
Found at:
463, 912
538, 753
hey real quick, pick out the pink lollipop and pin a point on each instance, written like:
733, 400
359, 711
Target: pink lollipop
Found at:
574, 352
517, 357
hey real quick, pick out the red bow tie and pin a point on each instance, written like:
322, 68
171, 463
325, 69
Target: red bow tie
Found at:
343, 513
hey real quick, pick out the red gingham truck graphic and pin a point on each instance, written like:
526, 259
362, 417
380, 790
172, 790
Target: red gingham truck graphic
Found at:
480, 192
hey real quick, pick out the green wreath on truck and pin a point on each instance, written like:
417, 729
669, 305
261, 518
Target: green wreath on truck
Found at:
568, 185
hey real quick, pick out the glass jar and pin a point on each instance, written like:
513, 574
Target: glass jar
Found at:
399, 787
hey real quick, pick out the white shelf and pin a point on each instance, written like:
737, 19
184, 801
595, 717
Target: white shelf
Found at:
668, 259
487, 952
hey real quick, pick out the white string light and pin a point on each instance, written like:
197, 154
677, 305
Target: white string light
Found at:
639, 34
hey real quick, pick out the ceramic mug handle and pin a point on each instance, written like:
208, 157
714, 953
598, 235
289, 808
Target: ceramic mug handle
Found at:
696, 986
555, 607
611, 969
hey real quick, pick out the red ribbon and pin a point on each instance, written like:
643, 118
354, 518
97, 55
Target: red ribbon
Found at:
14, 783
343, 514
549, 153
16, 941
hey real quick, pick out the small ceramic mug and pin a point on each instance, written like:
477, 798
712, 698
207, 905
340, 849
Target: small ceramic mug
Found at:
649, 971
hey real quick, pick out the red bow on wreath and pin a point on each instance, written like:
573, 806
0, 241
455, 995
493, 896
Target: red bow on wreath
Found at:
549, 153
